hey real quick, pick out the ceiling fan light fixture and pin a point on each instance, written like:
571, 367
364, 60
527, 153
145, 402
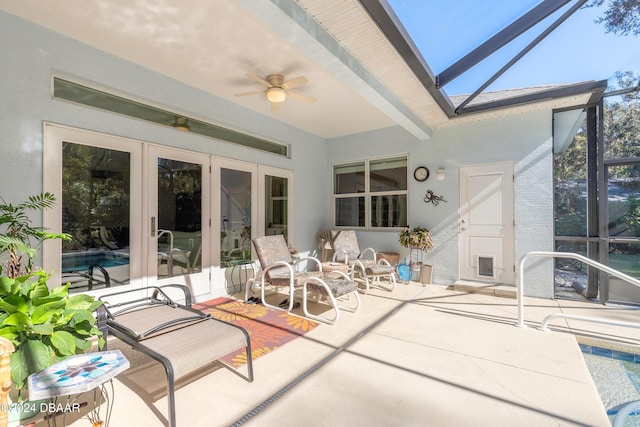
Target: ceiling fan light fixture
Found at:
180, 123
276, 94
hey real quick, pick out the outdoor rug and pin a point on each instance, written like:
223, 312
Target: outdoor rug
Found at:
268, 329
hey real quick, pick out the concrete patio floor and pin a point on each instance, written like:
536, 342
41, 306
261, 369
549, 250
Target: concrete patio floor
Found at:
417, 356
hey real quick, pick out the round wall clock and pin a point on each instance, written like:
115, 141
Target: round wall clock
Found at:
421, 173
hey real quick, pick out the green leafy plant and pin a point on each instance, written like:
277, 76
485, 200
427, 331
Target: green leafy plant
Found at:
45, 325
416, 238
17, 233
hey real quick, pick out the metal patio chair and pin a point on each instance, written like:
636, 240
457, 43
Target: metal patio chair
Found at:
279, 271
363, 264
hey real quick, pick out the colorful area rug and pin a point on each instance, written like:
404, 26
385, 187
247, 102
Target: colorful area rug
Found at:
268, 329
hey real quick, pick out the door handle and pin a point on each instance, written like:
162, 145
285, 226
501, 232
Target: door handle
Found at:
153, 226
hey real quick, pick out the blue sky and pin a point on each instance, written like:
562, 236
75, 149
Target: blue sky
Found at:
578, 50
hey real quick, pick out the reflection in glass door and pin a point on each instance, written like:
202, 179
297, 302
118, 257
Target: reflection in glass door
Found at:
276, 205
96, 205
235, 217
177, 217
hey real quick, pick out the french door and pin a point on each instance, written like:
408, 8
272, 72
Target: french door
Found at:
137, 214
178, 220
140, 214
97, 181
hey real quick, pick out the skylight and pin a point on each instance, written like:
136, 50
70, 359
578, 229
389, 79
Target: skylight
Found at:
578, 50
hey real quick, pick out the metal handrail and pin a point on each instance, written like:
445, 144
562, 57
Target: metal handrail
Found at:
578, 257
624, 412
552, 316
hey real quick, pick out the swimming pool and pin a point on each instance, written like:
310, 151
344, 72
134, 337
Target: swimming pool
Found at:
616, 375
81, 261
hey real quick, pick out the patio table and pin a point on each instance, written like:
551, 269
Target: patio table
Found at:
73, 376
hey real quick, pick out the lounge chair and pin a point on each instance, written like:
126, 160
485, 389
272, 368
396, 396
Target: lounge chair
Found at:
103, 237
278, 270
363, 264
181, 338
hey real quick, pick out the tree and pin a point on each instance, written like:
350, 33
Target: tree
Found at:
622, 122
622, 17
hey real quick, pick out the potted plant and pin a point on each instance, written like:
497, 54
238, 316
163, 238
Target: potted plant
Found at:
45, 325
416, 239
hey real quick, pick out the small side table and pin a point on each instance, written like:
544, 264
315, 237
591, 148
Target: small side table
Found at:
78, 374
392, 258
328, 267
240, 269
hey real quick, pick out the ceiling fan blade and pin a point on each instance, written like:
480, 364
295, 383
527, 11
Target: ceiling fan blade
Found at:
258, 79
275, 106
295, 82
301, 97
253, 92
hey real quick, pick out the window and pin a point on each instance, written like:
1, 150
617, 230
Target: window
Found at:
75, 92
371, 193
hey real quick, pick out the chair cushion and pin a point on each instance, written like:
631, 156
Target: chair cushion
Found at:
279, 279
271, 249
345, 240
338, 286
379, 269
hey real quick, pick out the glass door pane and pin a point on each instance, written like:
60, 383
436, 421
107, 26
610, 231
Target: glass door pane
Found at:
96, 203
570, 204
235, 218
277, 205
623, 188
179, 217
178, 214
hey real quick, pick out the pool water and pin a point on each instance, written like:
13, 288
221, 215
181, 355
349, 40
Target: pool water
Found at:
616, 375
81, 261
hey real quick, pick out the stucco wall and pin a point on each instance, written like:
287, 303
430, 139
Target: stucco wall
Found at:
523, 139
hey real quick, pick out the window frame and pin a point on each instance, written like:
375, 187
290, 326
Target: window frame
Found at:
367, 193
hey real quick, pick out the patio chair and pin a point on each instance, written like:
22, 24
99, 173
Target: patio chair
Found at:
362, 263
187, 259
278, 271
87, 279
178, 336
103, 237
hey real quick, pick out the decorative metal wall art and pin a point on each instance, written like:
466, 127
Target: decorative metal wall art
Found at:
431, 197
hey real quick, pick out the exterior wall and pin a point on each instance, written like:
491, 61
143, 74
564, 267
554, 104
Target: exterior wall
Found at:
32, 54
522, 139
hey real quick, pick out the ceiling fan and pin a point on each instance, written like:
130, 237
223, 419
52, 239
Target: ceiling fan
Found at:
277, 89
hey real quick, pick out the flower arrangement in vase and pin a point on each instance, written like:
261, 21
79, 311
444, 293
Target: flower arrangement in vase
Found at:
416, 239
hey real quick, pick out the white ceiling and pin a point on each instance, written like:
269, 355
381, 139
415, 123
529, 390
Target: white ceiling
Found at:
358, 79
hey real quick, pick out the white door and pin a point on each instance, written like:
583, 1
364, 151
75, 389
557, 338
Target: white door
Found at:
178, 221
486, 230
98, 186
